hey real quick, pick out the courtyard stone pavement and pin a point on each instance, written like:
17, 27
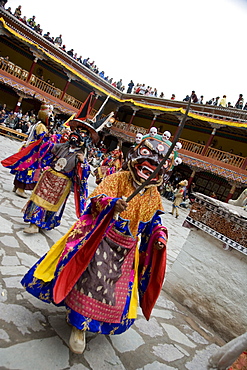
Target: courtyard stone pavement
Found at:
34, 335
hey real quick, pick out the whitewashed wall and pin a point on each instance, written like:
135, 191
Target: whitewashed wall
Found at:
212, 283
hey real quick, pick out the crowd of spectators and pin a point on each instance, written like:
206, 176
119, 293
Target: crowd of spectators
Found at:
141, 89
16, 120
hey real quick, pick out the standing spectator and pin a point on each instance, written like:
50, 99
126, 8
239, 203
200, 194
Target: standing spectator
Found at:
130, 87
179, 195
240, 102
201, 99
58, 41
223, 102
119, 84
155, 92
194, 98
17, 12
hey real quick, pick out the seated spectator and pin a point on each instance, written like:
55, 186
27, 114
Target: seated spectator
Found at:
201, 99
24, 126
86, 62
210, 102
58, 41
17, 12
38, 29
194, 98
47, 36
75, 56
223, 102
114, 84
71, 52
122, 88
187, 98
173, 97
240, 102
142, 89
96, 70
229, 105
79, 59
31, 22
9, 10
102, 74
12, 120
63, 48
245, 107
161, 95
216, 101
110, 80
24, 19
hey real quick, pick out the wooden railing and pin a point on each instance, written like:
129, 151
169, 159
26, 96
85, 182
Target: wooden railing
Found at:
130, 128
226, 157
40, 84
191, 146
9, 132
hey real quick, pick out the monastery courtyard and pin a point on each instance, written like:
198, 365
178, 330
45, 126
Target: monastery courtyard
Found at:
33, 334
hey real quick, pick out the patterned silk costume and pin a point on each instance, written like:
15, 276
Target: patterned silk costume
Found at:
102, 266
104, 298
48, 199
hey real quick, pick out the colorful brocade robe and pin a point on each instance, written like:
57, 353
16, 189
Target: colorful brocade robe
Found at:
101, 267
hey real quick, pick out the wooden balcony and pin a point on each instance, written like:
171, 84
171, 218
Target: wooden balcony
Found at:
22, 74
224, 159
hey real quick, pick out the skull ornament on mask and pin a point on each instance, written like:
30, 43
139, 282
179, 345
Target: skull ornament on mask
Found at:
166, 135
145, 158
178, 146
138, 138
153, 131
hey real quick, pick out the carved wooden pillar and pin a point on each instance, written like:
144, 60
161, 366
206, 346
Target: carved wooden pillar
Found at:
209, 141
65, 88
32, 69
191, 179
132, 117
231, 192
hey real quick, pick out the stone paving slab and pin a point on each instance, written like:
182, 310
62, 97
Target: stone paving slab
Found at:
34, 335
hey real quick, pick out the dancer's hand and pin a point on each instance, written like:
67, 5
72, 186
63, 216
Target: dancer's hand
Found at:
120, 206
159, 245
80, 157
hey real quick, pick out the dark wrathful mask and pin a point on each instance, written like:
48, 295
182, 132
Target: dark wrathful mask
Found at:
79, 139
145, 158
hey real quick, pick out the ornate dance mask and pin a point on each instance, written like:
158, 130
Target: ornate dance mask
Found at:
144, 159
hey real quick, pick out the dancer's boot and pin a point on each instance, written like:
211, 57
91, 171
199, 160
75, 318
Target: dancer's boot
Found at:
77, 340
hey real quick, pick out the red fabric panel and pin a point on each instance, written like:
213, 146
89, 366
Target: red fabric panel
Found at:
22, 153
77, 265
